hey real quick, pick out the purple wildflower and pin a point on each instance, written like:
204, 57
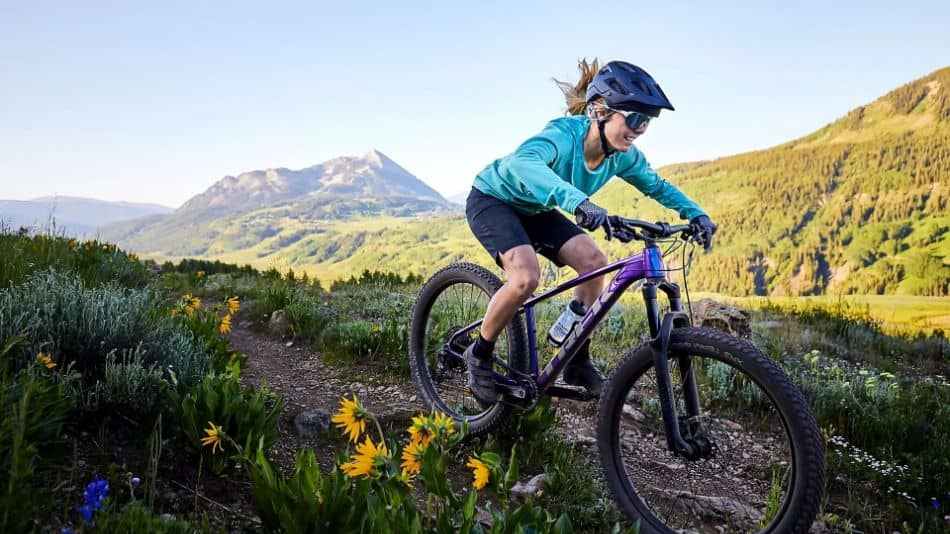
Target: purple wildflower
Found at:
95, 492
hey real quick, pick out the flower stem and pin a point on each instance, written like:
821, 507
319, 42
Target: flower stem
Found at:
382, 437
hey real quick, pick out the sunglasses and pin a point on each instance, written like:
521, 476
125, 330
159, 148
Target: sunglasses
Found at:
634, 119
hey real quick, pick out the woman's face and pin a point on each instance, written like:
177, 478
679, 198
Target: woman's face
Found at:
619, 135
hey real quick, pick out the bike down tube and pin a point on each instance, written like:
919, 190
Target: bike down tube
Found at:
527, 308
647, 264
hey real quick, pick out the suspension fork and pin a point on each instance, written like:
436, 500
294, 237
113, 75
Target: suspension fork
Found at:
659, 345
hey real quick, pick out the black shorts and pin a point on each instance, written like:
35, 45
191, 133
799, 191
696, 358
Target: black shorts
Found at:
500, 227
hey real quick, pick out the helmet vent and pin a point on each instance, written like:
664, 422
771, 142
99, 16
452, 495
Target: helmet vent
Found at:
614, 84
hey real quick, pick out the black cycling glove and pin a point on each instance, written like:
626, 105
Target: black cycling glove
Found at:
703, 230
590, 217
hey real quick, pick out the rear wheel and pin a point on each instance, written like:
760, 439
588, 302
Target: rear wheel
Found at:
765, 466
452, 299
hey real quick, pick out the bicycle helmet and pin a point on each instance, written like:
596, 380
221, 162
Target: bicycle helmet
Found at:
626, 87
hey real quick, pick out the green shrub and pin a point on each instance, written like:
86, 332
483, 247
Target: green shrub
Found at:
307, 501
308, 316
127, 381
367, 342
219, 401
81, 326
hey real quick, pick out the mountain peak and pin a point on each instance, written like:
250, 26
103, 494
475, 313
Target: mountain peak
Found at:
373, 175
376, 158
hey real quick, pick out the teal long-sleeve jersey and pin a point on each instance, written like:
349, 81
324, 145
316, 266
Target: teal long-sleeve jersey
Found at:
548, 171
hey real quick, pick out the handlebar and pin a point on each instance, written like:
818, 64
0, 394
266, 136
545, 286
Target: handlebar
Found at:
629, 229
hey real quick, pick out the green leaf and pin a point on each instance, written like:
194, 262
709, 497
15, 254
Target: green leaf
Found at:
511, 476
468, 507
563, 525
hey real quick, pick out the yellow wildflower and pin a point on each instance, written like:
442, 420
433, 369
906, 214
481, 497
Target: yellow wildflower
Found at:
364, 462
479, 472
377, 329
225, 325
445, 423
351, 418
213, 438
233, 305
412, 458
199, 274
421, 430
46, 360
191, 304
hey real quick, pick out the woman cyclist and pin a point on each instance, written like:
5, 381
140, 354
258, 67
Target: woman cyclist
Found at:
511, 208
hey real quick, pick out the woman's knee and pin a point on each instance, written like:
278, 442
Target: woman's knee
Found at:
522, 270
589, 260
524, 282
597, 259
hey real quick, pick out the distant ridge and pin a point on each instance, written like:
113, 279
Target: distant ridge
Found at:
337, 189
76, 216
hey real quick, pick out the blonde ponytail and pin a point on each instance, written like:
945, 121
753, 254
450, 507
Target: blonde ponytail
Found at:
576, 95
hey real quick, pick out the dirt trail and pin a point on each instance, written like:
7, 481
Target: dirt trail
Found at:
309, 385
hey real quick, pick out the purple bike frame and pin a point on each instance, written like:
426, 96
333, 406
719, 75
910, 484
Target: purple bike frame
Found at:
647, 264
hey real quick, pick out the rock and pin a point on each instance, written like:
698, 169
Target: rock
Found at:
730, 426
278, 324
582, 439
712, 314
633, 413
397, 415
312, 423
529, 489
740, 515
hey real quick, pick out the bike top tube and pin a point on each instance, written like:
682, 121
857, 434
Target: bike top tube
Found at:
649, 259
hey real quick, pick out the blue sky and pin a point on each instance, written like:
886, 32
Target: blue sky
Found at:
154, 103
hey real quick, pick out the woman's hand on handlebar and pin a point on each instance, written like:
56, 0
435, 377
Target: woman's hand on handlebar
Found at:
590, 217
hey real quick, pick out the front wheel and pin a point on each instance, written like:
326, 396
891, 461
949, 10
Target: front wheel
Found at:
764, 467
452, 300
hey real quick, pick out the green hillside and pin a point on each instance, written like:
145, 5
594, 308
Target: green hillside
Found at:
858, 207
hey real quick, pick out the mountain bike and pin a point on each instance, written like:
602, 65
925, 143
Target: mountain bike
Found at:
697, 430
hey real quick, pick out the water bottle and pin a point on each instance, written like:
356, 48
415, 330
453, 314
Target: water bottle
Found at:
565, 323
